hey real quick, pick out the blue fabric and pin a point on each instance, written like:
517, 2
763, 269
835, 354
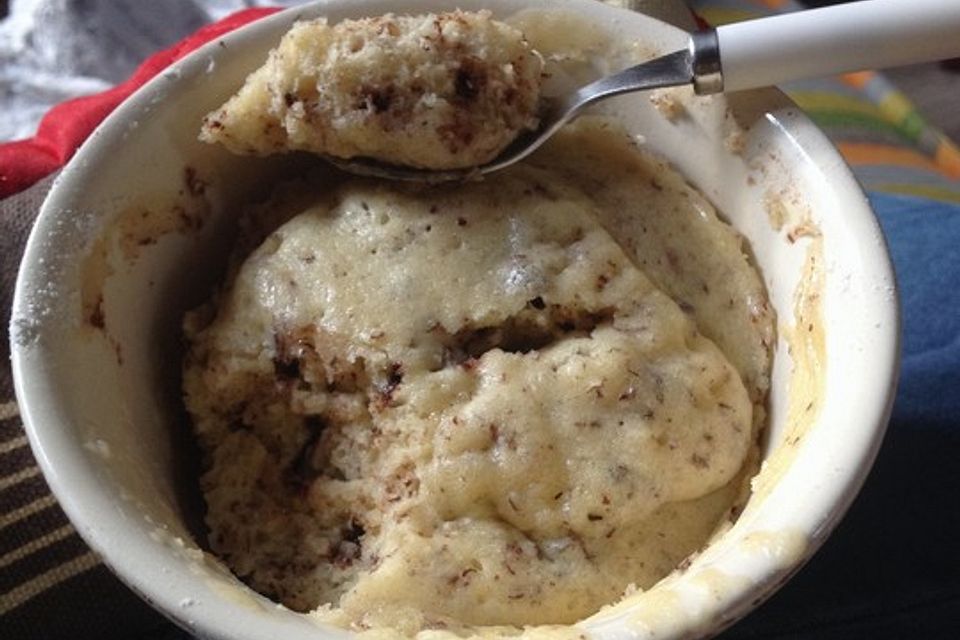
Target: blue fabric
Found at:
892, 567
924, 238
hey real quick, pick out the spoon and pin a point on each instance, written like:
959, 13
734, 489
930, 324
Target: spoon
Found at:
745, 55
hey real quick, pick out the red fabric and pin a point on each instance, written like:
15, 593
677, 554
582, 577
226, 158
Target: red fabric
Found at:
65, 127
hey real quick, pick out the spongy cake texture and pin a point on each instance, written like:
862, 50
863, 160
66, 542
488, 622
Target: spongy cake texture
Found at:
447, 90
471, 405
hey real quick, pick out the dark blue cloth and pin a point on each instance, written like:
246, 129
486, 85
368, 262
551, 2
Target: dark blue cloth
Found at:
892, 567
924, 238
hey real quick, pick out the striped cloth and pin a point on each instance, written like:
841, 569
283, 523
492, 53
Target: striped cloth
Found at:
52, 586
880, 133
31, 527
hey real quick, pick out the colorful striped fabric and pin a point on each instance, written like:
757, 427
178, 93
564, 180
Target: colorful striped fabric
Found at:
890, 146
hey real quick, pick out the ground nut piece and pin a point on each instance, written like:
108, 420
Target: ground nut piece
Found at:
447, 90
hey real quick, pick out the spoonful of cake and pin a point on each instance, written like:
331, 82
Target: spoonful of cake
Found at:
451, 96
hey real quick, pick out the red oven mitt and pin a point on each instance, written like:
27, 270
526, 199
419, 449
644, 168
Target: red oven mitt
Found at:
67, 125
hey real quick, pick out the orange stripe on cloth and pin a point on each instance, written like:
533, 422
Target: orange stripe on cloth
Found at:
863, 153
723, 15
858, 79
948, 158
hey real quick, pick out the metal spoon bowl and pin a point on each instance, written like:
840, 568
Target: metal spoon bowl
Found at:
698, 64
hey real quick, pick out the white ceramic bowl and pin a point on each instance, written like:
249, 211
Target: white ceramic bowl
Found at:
103, 286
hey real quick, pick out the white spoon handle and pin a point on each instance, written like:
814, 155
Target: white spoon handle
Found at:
871, 34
